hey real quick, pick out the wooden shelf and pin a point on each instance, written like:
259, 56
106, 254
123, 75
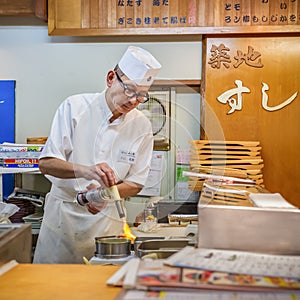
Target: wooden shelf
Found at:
182, 86
15, 171
179, 32
19, 170
27, 8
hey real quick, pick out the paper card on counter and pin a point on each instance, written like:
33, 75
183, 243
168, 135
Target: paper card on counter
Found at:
270, 200
203, 295
240, 262
155, 275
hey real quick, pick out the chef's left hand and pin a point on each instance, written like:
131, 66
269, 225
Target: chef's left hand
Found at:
96, 209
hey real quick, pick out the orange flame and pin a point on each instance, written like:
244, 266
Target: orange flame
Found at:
127, 233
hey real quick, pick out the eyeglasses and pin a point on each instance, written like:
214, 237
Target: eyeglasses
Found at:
130, 93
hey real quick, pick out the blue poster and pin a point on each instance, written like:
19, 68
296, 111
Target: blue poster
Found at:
7, 125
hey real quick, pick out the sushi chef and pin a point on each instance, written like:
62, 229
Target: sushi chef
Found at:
98, 139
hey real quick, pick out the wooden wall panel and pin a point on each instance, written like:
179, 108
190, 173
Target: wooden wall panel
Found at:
17, 7
24, 8
278, 131
67, 14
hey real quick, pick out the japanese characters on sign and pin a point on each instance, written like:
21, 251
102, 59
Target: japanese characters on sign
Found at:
236, 104
183, 13
270, 12
220, 57
181, 20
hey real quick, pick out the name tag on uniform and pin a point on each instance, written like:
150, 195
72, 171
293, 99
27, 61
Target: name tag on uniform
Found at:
127, 157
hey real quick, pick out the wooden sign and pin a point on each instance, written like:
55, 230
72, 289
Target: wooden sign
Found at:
251, 92
111, 17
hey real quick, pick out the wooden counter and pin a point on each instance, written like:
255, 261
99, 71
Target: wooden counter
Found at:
54, 282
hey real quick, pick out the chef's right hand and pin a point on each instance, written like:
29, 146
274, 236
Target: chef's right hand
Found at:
102, 173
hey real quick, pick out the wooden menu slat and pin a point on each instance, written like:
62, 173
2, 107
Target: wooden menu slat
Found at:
298, 10
165, 11
94, 13
284, 9
173, 13
292, 12
85, 14
112, 21
226, 16
183, 13
138, 15
192, 14
209, 17
246, 12
129, 17
238, 15
120, 16
272, 16
240, 12
155, 15
147, 12
258, 10
200, 9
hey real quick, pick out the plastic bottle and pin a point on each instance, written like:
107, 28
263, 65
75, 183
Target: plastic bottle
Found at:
100, 195
94, 196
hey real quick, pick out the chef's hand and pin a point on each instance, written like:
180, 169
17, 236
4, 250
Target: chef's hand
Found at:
103, 173
96, 208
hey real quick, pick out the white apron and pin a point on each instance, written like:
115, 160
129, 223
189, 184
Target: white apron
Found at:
68, 230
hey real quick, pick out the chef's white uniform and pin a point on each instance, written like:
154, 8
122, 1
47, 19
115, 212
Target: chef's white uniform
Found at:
81, 133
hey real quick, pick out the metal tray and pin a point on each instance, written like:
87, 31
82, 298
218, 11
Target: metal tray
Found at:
273, 231
161, 248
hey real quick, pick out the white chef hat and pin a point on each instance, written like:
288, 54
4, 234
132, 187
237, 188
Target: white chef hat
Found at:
139, 65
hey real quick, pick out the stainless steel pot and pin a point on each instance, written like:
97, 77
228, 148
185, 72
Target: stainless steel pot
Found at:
112, 247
